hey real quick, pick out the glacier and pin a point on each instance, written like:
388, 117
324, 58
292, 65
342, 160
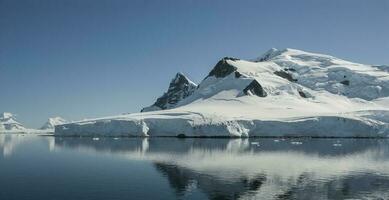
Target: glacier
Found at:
282, 93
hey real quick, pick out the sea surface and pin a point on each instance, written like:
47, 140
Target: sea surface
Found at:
36, 167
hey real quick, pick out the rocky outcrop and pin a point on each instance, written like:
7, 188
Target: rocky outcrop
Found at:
302, 94
285, 75
254, 88
345, 82
179, 88
223, 68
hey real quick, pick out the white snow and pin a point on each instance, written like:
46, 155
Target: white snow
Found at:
52, 122
6, 115
325, 96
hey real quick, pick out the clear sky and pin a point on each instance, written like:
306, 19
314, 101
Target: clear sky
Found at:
90, 58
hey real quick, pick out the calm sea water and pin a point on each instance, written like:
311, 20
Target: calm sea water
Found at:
44, 167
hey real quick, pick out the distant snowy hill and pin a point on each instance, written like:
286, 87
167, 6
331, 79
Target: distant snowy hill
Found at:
282, 93
179, 88
8, 122
52, 122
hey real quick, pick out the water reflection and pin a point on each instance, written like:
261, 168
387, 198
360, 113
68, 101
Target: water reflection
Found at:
258, 168
8, 142
242, 168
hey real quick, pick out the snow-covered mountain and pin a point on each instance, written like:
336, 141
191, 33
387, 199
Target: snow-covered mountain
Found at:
8, 122
180, 87
52, 122
282, 93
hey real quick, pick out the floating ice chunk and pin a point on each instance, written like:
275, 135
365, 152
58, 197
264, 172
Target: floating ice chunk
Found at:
96, 138
296, 143
255, 143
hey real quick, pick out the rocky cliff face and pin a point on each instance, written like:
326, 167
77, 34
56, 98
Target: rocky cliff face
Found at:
179, 88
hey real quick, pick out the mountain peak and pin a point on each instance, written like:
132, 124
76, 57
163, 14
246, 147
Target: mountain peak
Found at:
9, 123
52, 122
180, 87
180, 78
223, 68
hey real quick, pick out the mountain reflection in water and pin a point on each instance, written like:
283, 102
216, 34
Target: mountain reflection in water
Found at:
251, 168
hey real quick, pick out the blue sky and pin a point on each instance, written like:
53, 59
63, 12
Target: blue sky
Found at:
92, 58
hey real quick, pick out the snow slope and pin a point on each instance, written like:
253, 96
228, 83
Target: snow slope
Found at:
282, 93
52, 122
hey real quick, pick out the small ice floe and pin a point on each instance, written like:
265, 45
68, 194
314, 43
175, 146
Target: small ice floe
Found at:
296, 143
276, 140
337, 145
115, 138
255, 143
95, 138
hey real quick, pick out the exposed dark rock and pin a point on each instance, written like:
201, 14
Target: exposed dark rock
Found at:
302, 94
255, 88
285, 75
290, 69
222, 68
237, 74
179, 88
345, 82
